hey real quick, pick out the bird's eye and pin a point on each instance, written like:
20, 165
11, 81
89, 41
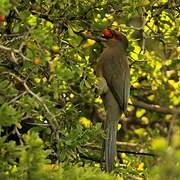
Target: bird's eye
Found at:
107, 33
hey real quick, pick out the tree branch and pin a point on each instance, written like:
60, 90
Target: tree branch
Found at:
12, 50
52, 120
136, 153
153, 107
88, 36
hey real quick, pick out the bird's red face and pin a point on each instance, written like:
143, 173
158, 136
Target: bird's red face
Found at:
107, 33
113, 36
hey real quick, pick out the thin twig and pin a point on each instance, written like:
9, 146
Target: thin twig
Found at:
15, 51
127, 144
19, 135
125, 151
17, 97
14, 59
137, 153
38, 124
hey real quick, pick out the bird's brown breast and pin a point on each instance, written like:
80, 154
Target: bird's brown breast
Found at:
113, 67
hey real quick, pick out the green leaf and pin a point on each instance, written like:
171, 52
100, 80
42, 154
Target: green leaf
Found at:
9, 115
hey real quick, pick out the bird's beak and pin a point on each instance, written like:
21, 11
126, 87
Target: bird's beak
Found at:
103, 39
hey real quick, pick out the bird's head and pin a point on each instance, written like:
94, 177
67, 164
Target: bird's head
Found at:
113, 37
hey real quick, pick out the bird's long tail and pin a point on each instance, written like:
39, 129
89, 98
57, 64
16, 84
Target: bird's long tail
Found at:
112, 117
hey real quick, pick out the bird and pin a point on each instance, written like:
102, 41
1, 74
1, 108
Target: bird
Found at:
113, 75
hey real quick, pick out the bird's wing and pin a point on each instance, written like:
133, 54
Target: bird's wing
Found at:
115, 70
